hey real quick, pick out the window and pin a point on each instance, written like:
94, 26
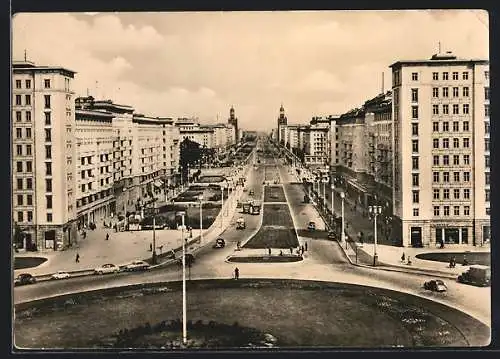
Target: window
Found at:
486, 75
30, 216
48, 185
466, 159
435, 193
466, 210
456, 193
29, 183
466, 142
19, 132
83, 187
49, 217
20, 217
415, 196
414, 112
445, 91
18, 84
436, 210
435, 177
414, 76
19, 183
414, 179
414, 95
435, 160
435, 143
47, 101
466, 176
28, 84
465, 75
486, 110
435, 92
446, 193
456, 176
455, 109
446, 160
20, 199
487, 195
456, 210
435, 126
446, 210
435, 109
446, 143
48, 151
435, 76
415, 212
455, 75
49, 201
46, 83
446, 176
487, 161
466, 193
455, 126
47, 118
28, 116
465, 92
486, 144
466, 126
446, 126
446, 109
486, 93
445, 76
48, 137
414, 129
28, 133
18, 116
29, 166
48, 168
414, 163
29, 200
19, 166
455, 92
486, 128
414, 145
19, 150
27, 99
456, 160
465, 108
456, 143
18, 100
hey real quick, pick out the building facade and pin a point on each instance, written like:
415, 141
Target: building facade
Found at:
441, 190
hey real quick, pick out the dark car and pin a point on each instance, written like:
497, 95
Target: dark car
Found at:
24, 278
436, 285
219, 243
311, 226
332, 235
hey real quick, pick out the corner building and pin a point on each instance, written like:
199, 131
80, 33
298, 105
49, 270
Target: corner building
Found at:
441, 171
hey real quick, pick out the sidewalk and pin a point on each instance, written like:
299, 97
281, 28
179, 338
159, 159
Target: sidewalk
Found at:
124, 247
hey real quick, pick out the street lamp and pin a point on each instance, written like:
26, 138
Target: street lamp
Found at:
333, 198
182, 214
342, 196
200, 198
324, 192
375, 210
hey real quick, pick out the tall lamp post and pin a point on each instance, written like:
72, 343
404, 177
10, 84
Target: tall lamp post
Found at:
342, 196
332, 187
324, 192
182, 177
182, 214
200, 198
375, 210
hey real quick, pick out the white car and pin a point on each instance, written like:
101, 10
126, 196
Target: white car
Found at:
106, 269
137, 265
60, 275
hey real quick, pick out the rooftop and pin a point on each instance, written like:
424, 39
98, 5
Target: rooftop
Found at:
439, 59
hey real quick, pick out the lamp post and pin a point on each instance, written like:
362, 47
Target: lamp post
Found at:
342, 196
184, 315
200, 198
324, 193
375, 210
182, 177
332, 187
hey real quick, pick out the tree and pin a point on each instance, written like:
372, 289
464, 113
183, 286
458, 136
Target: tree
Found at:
190, 154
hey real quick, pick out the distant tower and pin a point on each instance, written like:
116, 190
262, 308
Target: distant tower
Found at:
233, 120
282, 122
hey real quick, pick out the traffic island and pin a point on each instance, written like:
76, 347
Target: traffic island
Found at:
28, 262
296, 313
265, 259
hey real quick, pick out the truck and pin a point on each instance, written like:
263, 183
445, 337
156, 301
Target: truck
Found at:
476, 275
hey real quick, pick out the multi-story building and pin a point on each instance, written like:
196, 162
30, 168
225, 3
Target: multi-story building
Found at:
43, 156
441, 190
317, 142
293, 136
233, 121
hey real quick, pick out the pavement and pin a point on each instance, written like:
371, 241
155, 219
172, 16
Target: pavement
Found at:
124, 247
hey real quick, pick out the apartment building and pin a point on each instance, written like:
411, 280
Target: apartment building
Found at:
292, 136
43, 156
441, 171
317, 142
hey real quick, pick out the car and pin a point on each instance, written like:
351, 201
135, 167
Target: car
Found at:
332, 235
479, 275
219, 243
60, 275
137, 266
436, 285
251, 192
24, 278
107, 268
240, 223
311, 226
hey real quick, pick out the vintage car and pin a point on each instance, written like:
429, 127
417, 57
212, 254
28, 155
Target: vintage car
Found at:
219, 243
436, 285
311, 226
107, 268
240, 223
477, 275
60, 275
24, 278
137, 266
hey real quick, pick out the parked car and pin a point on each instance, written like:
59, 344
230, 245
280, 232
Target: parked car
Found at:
311, 226
24, 278
240, 223
436, 285
137, 266
332, 235
476, 275
219, 243
107, 268
60, 275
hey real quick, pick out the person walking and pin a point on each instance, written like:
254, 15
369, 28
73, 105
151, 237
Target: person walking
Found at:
269, 250
302, 249
305, 246
107, 236
291, 250
236, 273
403, 257
77, 258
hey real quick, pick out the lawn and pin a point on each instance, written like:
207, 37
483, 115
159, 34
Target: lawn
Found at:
483, 258
192, 218
274, 194
28, 262
296, 313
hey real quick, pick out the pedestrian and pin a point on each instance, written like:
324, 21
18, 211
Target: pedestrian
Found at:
77, 258
236, 273
306, 246
150, 247
84, 234
291, 250
107, 236
302, 249
465, 262
281, 253
409, 261
269, 250
403, 257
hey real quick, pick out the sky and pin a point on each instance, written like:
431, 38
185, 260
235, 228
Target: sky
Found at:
186, 64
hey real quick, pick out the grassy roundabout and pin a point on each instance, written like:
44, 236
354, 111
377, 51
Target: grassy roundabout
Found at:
483, 258
294, 313
274, 194
28, 262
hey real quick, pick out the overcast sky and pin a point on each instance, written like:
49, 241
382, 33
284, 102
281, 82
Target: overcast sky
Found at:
199, 64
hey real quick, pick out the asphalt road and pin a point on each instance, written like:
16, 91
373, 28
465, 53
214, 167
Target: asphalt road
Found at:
324, 260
